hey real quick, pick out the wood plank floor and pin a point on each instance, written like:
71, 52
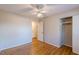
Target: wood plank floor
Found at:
38, 48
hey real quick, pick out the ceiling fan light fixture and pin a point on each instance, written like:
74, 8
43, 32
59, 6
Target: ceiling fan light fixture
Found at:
39, 15
38, 10
43, 11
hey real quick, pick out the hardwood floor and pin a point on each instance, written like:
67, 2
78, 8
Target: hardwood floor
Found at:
41, 48
20, 50
38, 48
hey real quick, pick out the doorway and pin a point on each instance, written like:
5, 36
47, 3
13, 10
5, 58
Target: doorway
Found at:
37, 30
34, 29
37, 34
66, 31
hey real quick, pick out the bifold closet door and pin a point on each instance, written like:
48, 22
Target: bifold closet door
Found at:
68, 34
76, 34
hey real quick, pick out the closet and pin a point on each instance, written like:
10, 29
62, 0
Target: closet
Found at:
67, 31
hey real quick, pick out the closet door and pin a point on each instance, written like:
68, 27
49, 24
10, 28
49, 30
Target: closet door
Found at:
76, 34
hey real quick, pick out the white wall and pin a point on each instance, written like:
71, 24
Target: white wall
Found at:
76, 34
52, 27
52, 31
15, 30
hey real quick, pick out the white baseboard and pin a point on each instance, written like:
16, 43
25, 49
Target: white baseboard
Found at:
58, 46
14, 46
74, 51
67, 45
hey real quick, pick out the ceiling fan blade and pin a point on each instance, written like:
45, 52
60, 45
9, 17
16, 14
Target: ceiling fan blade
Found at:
38, 6
27, 9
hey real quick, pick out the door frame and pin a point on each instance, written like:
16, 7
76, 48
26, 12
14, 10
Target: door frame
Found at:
61, 27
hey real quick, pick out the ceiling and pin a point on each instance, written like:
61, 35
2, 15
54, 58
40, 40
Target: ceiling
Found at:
33, 10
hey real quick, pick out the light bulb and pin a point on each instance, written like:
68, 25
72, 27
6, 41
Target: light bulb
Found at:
40, 15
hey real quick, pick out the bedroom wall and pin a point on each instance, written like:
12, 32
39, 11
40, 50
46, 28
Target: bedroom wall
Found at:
52, 27
15, 30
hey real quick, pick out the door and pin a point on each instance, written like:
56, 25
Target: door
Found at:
40, 31
76, 34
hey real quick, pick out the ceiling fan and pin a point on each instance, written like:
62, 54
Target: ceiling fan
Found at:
38, 9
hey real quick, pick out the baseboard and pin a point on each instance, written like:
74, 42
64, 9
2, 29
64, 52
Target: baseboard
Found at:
74, 51
14, 46
67, 45
58, 46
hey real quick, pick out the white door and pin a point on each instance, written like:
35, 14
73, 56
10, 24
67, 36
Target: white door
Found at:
40, 31
76, 34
